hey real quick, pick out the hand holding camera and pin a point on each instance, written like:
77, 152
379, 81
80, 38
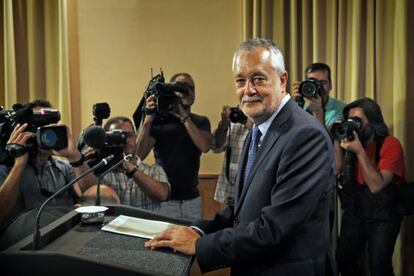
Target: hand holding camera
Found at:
17, 144
310, 92
346, 133
225, 118
150, 107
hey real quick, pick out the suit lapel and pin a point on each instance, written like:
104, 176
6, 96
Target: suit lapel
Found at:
242, 164
272, 135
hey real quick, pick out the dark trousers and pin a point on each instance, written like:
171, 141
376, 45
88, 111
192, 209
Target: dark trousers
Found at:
356, 233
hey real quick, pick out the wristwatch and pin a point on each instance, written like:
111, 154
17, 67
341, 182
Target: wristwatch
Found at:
132, 172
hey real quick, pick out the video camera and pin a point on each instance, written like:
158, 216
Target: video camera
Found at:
103, 143
345, 129
237, 116
46, 137
166, 100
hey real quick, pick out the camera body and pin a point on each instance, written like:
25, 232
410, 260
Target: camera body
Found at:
116, 137
46, 137
311, 88
237, 116
166, 100
345, 129
103, 144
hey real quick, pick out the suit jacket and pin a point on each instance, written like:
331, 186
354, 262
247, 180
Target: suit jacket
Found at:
279, 223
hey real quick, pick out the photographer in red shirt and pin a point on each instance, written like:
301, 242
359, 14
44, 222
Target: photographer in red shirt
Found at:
367, 194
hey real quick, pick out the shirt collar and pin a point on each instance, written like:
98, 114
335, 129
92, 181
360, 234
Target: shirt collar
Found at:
263, 127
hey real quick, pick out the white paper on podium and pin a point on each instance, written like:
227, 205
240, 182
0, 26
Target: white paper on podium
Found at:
137, 227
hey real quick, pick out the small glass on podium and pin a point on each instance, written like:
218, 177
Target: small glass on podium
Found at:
92, 214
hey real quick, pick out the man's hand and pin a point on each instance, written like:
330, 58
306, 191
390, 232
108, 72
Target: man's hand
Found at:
225, 118
20, 137
150, 106
180, 113
179, 238
295, 89
314, 104
354, 146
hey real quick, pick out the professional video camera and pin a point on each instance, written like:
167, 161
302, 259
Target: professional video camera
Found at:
103, 143
345, 129
164, 94
311, 88
237, 116
45, 137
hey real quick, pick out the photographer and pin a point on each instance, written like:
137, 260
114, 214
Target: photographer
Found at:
367, 195
178, 144
137, 184
229, 136
36, 175
325, 108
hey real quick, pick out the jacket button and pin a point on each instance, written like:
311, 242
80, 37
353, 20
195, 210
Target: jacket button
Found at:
236, 221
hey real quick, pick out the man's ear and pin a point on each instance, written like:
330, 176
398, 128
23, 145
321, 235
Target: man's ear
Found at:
283, 81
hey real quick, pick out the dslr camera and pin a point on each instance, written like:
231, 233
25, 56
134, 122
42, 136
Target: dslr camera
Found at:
46, 137
311, 88
345, 129
164, 94
237, 116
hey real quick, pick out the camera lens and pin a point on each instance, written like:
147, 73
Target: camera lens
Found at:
309, 89
236, 115
49, 138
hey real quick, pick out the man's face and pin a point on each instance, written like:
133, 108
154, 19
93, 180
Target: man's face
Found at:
321, 76
258, 84
188, 99
131, 144
366, 131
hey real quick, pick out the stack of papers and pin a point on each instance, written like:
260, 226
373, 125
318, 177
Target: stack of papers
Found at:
137, 227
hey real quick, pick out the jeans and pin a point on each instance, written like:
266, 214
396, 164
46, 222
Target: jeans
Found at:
356, 233
189, 209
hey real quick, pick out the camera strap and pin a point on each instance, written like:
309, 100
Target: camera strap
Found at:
228, 156
16, 150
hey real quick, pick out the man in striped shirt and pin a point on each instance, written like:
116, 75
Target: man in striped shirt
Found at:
137, 184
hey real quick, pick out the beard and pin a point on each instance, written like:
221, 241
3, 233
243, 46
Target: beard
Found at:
365, 134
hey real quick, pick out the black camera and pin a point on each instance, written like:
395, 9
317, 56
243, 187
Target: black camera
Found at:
100, 111
164, 94
103, 144
311, 88
237, 116
345, 129
52, 137
116, 137
46, 137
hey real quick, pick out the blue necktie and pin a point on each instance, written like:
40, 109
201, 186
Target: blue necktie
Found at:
254, 143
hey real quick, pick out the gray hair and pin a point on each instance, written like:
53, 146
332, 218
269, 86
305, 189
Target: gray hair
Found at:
254, 43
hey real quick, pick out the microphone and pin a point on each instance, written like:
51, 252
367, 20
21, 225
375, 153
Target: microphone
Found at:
94, 136
36, 232
98, 193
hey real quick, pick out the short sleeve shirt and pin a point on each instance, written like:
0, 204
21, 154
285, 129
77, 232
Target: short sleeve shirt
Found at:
391, 159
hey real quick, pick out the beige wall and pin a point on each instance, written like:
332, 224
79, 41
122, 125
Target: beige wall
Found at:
119, 41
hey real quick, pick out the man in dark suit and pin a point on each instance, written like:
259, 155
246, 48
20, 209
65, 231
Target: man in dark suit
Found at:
279, 222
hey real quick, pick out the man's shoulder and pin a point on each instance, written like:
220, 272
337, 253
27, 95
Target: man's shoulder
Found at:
200, 121
198, 118
334, 103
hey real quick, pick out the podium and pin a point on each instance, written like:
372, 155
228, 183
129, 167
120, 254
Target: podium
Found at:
69, 248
